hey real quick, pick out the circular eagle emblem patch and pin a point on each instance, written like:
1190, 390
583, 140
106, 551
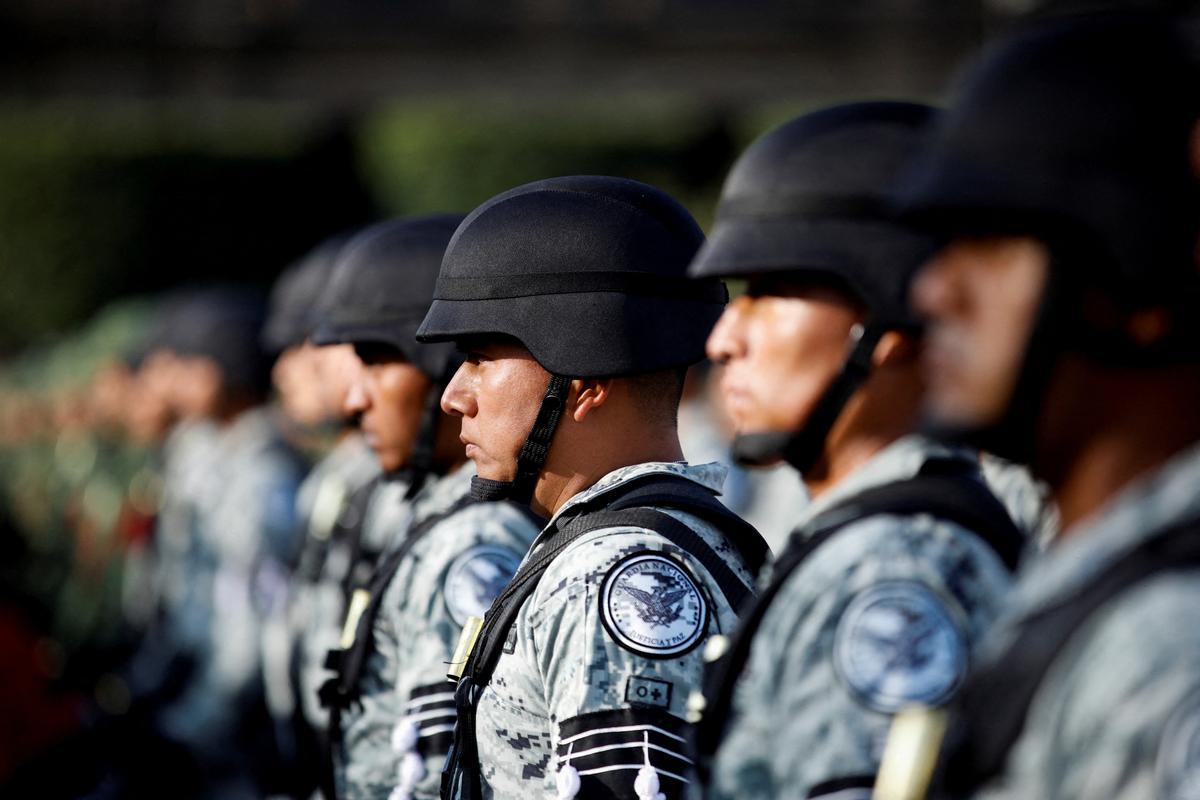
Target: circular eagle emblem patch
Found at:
897, 644
650, 605
475, 579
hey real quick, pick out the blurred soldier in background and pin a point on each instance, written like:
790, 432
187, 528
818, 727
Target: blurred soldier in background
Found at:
1064, 331
769, 498
445, 557
570, 299
904, 555
305, 612
241, 487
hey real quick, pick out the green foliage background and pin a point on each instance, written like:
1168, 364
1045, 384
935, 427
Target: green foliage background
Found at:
105, 203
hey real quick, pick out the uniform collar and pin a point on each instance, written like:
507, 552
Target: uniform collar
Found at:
253, 425
1136, 514
441, 491
900, 460
711, 476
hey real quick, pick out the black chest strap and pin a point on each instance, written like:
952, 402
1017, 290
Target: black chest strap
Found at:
357, 509
947, 489
342, 690
993, 705
631, 508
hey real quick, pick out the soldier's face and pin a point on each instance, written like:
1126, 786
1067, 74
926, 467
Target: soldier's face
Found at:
337, 370
981, 297
497, 392
389, 395
781, 346
198, 386
302, 393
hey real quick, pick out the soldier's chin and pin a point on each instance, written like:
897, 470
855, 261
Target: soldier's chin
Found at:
952, 411
490, 471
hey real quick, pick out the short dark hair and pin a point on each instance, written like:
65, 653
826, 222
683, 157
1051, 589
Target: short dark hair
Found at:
658, 393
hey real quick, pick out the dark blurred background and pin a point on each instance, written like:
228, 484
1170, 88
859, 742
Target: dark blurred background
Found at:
144, 143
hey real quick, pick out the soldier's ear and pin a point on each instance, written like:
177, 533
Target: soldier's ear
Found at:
589, 393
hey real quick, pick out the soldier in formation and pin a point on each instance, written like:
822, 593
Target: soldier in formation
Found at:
570, 300
1066, 183
442, 557
903, 556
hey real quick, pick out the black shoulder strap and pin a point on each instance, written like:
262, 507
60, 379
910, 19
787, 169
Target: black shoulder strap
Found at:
460, 778
355, 520
680, 494
949, 489
628, 510
342, 689
994, 703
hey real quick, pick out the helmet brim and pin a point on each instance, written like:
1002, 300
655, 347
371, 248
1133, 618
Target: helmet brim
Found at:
612, 343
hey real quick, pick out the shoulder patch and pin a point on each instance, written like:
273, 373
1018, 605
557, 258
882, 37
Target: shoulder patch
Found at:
896, 644
650, 605
1178, 763
476, 577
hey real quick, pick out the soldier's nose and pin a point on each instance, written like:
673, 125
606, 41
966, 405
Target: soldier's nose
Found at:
456, 401
357, 399
725, 341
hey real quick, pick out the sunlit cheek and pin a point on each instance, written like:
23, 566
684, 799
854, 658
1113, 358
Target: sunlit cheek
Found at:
985, 348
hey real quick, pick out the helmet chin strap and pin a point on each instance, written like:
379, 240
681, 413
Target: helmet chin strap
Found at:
533, 453
803, 448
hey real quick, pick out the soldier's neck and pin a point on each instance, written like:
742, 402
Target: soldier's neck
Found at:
1144, 424
1105, 464
871, 421
575, 467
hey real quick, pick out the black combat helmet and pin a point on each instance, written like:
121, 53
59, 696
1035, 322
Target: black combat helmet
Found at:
380, 290
810, 201
1080, 133
589, 274
298, 294
224, 324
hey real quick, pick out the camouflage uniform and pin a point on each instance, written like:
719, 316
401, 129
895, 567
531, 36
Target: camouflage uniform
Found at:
395, 739
823, 674
189, 459
249, 520
317, 604
1026, 498
1118, 714
588, 680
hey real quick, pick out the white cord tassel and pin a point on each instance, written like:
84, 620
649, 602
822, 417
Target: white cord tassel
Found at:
412, 771
646, 784
404, 736
412, 766
567, 779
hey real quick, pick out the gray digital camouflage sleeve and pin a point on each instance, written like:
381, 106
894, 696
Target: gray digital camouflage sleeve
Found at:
1118, 716
588, 695
879, 617
403, 730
